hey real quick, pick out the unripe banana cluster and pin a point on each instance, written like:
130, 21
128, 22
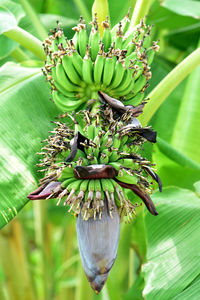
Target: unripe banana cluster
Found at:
94, 160
114, 63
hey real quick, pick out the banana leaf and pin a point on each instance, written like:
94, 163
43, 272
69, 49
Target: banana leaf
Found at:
25, 114
173, 246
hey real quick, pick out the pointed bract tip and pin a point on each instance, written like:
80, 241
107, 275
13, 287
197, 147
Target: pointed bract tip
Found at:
98, 282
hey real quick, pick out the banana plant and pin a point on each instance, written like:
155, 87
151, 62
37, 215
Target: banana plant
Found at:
93, 158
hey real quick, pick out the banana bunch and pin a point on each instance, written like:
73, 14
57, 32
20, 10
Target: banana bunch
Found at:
94, 160
114, 63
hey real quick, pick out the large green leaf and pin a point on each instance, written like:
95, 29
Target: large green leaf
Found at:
172, 173
191, 292
186, 137
7, 46
25, 114
173, 244
10, 15
184, 7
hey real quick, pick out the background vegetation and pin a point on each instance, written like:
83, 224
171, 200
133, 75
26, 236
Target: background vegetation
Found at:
158, 257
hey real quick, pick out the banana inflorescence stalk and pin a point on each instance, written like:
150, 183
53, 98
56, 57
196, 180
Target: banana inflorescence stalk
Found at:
92, 160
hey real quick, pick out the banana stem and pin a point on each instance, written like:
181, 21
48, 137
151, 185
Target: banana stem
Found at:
39, 220
83, 10
96, 105
131, 268
140, 11
42, 33
27, 40
168, 84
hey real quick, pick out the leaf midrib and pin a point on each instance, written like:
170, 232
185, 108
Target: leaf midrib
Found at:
18, 82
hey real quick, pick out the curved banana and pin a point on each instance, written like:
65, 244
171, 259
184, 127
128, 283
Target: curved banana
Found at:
139, 84
67, 94
118, 74
82, 39
107, 38
109, 68
94, 39
126, 81
67, 104
70, 70
87, 68
99, 65
134, 100
126, 177
63, 79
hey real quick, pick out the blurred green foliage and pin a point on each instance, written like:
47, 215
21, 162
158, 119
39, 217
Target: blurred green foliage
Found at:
158, 256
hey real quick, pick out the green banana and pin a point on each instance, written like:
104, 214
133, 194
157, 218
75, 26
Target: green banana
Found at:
106, 185
124, 140
140, 69
134, 100
74, 185
76, 37
94, 160
106, 141
91, 185
115, 165
127, 90
82, 39
87, 69
118, 74
119, 37
94, 40
127, 162
103, 159
130, 51
66, 173
76, 58
116, 141
133, 56
97, 148
126, 178
97, 185
83, 186
63, 79
151, 52
109, 68
126, 81
65, 104
108, 189
90, 131
67, 182
70, 70
66, 93
99, 65
114, 156
107, 38
147, 38
139, 84
107, 152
